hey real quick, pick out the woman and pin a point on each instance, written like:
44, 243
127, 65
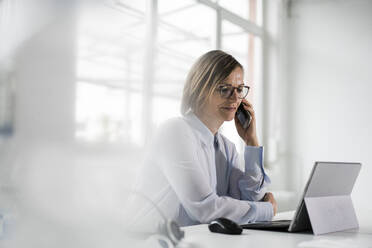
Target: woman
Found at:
192, 173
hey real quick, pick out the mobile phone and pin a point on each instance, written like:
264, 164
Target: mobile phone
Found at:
244, 116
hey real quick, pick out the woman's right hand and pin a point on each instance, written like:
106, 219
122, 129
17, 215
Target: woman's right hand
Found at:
249, 134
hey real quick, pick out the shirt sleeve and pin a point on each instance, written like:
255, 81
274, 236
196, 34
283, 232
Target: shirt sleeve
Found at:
260, 211
189, 180
251, 185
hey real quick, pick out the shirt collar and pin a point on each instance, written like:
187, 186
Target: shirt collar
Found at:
205, 135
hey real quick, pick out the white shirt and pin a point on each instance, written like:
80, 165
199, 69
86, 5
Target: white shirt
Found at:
185, 180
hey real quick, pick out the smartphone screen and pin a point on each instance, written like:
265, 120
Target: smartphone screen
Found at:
244, 116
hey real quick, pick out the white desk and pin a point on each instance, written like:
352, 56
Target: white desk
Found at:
199, 236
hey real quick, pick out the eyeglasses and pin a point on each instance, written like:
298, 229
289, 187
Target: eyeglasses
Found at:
226, 91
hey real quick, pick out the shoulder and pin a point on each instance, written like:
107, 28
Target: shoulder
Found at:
173, 136
174, 129
174, 125
174, 122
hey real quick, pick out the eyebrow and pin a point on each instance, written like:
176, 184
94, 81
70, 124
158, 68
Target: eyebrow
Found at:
242, 84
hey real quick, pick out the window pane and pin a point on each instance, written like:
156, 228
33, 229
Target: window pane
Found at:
239, 7
165, 108
248, 9
99, 112
111, 37
185, 32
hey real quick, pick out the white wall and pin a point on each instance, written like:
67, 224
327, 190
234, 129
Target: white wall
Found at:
330, 86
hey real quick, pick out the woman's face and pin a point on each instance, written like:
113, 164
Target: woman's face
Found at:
224, 109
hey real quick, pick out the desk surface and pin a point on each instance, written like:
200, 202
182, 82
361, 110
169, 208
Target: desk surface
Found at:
199, 236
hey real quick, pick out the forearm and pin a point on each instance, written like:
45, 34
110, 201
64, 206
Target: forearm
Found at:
254, 182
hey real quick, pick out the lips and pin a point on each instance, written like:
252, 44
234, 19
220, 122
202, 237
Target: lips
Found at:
229, 108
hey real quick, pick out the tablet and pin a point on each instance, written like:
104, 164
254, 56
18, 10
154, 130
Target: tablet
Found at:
325, 205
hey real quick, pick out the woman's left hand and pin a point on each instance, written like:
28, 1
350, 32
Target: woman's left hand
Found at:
249, 134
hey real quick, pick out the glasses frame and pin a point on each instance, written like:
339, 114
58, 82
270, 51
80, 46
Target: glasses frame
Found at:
219, 88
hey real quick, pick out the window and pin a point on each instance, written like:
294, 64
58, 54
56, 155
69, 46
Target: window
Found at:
125, 76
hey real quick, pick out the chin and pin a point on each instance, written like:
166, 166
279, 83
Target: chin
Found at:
229, 117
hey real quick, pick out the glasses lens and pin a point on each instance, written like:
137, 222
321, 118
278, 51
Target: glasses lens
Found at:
243, 91
225, 91
240, 91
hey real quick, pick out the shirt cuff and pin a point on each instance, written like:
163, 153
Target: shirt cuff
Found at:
260, 211
253, 158
253, 155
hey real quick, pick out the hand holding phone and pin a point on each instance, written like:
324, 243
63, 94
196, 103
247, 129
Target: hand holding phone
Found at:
243, 116
246, 129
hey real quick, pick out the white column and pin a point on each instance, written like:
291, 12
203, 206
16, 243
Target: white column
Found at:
45, 79
148, 80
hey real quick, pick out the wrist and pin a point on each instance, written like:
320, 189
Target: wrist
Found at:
265, 211
252, 142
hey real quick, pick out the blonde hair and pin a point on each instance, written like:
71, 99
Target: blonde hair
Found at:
206, 73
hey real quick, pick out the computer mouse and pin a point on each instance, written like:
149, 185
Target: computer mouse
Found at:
224, 225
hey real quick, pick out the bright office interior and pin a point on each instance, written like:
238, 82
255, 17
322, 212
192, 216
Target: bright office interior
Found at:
84, 84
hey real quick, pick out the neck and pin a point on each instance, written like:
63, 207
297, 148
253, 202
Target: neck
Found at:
211, 122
